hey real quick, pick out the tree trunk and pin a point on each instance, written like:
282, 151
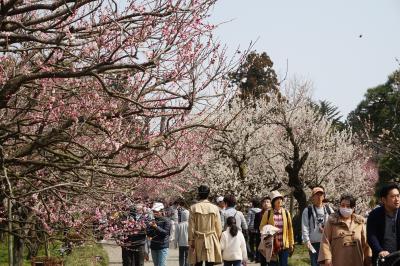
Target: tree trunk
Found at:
18, 251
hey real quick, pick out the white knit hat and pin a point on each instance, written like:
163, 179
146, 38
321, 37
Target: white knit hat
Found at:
275, 194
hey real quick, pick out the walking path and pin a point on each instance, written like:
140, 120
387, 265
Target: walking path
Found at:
115, 257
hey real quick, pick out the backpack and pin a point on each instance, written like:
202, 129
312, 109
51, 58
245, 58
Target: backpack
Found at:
310, 214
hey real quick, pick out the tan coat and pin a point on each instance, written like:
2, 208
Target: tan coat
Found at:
343, 245
204, 232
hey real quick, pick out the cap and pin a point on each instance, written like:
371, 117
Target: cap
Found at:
219, 199
316, 190
157, 206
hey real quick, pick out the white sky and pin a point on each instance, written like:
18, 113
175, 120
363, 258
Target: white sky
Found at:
320, 40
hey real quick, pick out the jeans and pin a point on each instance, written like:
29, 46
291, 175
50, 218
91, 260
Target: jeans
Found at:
206, 262
133, 256
314, 256
232, 263
283, 259
159, 256
183, 256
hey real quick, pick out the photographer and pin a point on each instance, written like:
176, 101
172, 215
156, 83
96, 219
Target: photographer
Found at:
159, 231
312, 223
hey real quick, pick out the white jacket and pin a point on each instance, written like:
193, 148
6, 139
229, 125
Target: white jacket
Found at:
233, 248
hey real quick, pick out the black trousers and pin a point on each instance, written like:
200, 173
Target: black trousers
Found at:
254, 237
133, 256
206, 263
183, 256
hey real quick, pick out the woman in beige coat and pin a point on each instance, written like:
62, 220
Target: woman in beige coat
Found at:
344, 240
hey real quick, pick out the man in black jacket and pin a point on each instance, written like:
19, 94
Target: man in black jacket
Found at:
159, 231
383, 224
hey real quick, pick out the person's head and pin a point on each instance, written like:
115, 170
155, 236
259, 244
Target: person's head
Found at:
347, 205
220, 202
266, 203
158, 209
255, 203
231, 223
203, 192
390, 196
230, 200
317, 195
276, 200
180, 202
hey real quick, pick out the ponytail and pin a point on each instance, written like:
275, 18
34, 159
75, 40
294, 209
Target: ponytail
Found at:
231, 223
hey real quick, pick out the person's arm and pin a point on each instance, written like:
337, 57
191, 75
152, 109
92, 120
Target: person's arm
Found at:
243, 222
305, 228
290, 232
365, 247
264, 220
176, 238
325, 254
218, 227
372, 233
243, 247
191, 229
223, 242
163, 230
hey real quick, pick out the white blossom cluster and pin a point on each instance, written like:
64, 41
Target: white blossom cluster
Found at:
259, 139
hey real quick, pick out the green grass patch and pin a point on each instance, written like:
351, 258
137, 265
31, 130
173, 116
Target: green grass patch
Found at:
86, 255
83, 255
300, 257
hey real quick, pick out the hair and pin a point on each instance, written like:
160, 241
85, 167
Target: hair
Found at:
180, 201
266, 198
230, 200
273, 201
256, 202
231, 223
386, 189
203, 192
350, 198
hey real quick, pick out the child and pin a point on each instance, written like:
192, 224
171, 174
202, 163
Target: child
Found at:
181, 237
233, 245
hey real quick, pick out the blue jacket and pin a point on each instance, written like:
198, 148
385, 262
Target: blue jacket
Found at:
376, 230
160, 234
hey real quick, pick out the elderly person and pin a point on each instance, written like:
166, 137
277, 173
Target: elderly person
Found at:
283, 239
344, 240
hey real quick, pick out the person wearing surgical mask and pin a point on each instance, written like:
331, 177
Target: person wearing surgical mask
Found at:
344, 240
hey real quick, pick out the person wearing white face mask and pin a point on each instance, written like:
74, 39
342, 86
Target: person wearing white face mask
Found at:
344, 240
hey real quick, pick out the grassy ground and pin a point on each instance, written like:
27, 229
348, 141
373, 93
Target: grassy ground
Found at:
83, 256
300, 257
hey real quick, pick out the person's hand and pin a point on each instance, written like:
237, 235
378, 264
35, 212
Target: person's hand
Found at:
244, 263
146, 256
383, 254
291, 250
153, 224
308, 245
328, 263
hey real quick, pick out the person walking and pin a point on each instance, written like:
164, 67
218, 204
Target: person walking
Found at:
313, 221
253, 231
204, 231
344, 239
233, 245
230, 211
265, 206
159, 231
284, 239
383, 224
181, 236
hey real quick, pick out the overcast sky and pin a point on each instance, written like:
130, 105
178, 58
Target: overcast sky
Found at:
321, 41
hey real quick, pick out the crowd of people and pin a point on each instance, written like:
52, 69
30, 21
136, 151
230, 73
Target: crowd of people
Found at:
209, 233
